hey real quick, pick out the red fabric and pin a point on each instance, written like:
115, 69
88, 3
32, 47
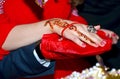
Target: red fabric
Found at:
59, 9
52, 48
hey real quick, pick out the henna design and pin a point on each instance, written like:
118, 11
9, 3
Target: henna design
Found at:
85, 37
70, 26
57, 22
48, 22
65, 25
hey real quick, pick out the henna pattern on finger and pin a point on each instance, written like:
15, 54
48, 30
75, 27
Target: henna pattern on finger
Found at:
65, 25
85, 37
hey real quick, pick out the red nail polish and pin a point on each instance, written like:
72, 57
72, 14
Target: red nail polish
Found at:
103, 43
83, 45
113, 34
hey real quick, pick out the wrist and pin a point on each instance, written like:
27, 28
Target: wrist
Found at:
43, 29
60, 25
56, 25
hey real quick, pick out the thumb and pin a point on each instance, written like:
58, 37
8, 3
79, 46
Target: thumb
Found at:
97, 27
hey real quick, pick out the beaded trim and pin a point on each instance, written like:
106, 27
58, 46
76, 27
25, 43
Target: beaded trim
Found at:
1, 6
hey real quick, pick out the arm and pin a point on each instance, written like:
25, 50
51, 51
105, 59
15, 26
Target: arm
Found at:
22, 35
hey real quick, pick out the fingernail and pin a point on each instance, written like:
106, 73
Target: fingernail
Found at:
113, 34
83, 45
103, 43
60, 39
106, 34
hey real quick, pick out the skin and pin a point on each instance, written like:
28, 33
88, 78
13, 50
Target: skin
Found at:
109, 34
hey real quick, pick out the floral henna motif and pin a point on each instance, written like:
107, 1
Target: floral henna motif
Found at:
65, 25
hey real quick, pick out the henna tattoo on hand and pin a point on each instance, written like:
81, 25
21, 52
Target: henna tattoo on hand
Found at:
58, 22
65, 25
85, 37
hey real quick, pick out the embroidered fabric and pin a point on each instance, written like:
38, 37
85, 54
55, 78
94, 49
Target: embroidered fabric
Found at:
1, 6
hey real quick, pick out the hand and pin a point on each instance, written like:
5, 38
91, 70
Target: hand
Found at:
76, 32
110, 34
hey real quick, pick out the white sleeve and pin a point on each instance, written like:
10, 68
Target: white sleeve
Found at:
44, 62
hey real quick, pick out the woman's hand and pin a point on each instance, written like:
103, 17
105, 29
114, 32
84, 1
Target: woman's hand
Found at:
76, 32
110, 34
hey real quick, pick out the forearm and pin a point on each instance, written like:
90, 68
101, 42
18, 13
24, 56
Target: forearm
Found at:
22, 35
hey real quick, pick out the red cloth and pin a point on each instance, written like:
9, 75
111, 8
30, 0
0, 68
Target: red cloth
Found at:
57, 9
52, 48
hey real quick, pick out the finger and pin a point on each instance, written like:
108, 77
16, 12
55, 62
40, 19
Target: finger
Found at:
115, 38
98, 40
115, 35
108, 33
111, 35
83, 38
97, 27
91, 38
88, 41
95, 38
75, 39
114, 41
